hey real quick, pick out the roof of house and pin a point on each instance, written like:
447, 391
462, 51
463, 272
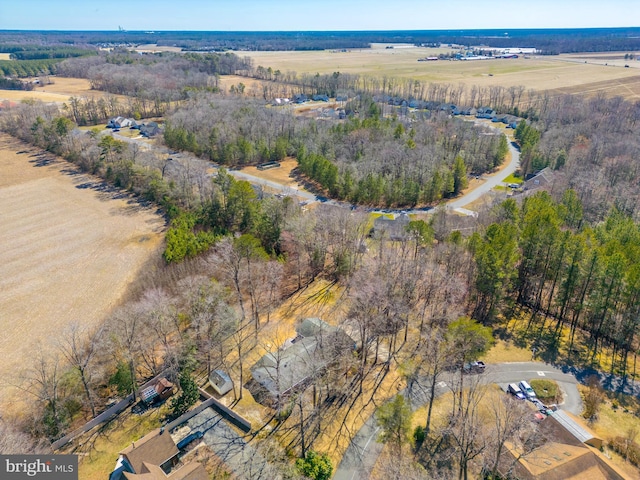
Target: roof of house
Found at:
302, 358
543, 177
575, 429
565, 453
558, 461
395, 228
149, 471
156, 448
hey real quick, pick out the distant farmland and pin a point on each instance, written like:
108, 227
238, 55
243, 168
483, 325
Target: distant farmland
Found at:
590, 73
68, 252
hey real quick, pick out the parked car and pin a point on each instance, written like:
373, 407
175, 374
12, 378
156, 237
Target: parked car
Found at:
474, 367
539, 405
514, 390
527, 390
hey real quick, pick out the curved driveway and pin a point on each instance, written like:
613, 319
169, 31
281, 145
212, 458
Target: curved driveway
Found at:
363, 451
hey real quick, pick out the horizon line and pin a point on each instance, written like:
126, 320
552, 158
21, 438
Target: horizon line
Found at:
152, 31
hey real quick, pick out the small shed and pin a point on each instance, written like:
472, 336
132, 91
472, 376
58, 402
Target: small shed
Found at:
161, 390
220, 382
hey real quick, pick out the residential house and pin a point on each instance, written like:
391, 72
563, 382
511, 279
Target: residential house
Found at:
295, 364
300, 98
120, 122
154, 457
540, 179
391, 228
485, 112
156, 448
148, 471
149, 129
565, 450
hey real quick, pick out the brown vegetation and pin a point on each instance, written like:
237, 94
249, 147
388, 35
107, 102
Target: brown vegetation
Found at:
573, 73
69, 250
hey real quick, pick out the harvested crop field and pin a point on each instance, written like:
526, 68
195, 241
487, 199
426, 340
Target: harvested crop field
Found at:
575, 73
59, 91
69, 248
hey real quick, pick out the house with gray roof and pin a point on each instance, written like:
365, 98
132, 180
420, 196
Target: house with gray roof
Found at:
541, 179
292, 367
391, 228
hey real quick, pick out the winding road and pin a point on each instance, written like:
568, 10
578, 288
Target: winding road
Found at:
363, 451
491, 181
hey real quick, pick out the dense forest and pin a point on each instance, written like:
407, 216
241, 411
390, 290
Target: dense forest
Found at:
549, 41
365, 160
566, 261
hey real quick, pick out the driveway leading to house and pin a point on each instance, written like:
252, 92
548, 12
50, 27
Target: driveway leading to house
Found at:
364, 450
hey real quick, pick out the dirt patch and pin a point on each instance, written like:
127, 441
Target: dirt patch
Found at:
69, 247
281, 174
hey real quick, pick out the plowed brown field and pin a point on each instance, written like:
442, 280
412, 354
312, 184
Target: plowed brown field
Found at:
69, 248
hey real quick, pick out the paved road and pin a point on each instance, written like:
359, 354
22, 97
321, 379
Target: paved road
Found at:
491, 181
363, 452
285, 189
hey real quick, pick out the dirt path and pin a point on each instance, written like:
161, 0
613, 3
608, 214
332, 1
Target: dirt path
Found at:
68, 251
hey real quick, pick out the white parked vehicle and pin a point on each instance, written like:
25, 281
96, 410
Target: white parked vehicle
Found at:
527, 390
514, 390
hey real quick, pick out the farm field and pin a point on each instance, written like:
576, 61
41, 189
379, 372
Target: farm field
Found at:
68, 252
565, 73
60, 91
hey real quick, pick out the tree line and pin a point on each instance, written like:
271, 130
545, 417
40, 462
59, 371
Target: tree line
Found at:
551, 41
568, 274
29, 68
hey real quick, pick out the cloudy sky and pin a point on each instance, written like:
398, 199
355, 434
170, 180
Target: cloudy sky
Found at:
265, 15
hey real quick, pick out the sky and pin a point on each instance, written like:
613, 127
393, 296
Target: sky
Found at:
301, 15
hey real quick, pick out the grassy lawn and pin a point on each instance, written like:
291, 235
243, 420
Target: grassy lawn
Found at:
546, 390
513, 179
619, 415
503, 352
